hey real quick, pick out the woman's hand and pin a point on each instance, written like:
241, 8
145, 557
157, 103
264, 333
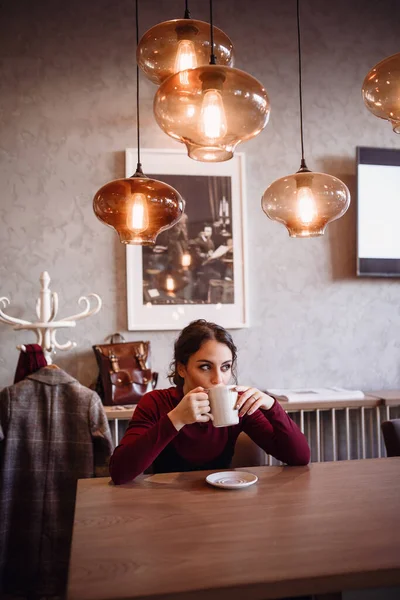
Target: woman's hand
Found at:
250, 399
193, 408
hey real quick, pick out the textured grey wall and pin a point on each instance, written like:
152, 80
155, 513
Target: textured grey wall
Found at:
67, 94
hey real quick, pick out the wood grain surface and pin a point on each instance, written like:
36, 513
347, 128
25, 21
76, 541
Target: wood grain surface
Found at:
389, 397
298, 530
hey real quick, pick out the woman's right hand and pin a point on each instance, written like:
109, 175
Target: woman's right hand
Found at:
193, 408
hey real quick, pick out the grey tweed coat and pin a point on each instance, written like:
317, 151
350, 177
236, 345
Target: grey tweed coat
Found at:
53, 431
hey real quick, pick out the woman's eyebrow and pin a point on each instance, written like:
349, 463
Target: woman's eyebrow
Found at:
210, 362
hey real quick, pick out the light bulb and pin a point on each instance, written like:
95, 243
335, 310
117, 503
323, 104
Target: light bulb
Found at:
185, 56
306, 205
138, 216
213, 119
185, 59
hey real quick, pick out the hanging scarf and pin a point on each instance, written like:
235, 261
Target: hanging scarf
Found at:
30, 361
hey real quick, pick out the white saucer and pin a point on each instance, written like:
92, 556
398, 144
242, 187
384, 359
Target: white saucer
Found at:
231, 479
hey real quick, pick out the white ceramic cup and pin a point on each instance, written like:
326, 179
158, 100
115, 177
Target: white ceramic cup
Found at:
222, 402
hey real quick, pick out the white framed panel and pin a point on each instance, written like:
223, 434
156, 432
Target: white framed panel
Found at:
147, 310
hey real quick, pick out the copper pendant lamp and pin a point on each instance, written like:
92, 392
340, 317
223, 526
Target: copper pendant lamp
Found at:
137, 207
173, 46
211, 109
381, 90
305, 202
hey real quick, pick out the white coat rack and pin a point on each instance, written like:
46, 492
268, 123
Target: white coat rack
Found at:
46, 310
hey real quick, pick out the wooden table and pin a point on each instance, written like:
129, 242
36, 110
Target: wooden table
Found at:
299, 530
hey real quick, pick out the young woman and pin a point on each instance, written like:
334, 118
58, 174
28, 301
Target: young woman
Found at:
171, 429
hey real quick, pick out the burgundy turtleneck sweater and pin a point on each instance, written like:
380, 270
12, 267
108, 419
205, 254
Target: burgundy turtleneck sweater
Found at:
151, 438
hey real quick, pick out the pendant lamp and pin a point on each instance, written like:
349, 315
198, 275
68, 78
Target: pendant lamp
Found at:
381, 90
211, 109
137, 207
305, 202
180, 44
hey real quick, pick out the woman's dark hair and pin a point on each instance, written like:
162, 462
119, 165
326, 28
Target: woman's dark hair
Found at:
190, 340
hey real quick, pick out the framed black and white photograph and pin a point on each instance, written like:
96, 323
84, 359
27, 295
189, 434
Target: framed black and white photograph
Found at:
197, 269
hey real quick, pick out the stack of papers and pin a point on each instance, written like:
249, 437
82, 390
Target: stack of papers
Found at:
307, 395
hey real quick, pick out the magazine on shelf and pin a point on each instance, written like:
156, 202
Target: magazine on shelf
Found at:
315, 394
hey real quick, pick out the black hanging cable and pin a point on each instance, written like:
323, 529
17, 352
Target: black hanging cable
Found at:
139, 171
303, 165
187, 11
212, 55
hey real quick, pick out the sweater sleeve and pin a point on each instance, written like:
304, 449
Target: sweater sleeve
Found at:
147, 435
275, 432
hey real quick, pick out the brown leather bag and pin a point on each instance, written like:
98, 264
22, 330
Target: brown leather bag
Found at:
124, 371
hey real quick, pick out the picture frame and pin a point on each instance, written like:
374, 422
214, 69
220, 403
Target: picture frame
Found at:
199, 269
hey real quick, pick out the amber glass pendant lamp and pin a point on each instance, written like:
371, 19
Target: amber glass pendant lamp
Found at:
381, 90
305, 202
137, 207
180, 44
212, 108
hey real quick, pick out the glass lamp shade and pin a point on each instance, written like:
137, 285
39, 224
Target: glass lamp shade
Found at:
138, 208
381, 90
211, 109
306, 202
180, 44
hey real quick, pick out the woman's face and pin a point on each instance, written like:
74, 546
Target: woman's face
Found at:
211, 365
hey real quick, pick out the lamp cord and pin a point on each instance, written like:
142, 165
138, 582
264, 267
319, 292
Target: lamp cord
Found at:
187, 11
212, 55
303, 162
139, 164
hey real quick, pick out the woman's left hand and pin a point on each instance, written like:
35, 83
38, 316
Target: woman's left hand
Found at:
250, 399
